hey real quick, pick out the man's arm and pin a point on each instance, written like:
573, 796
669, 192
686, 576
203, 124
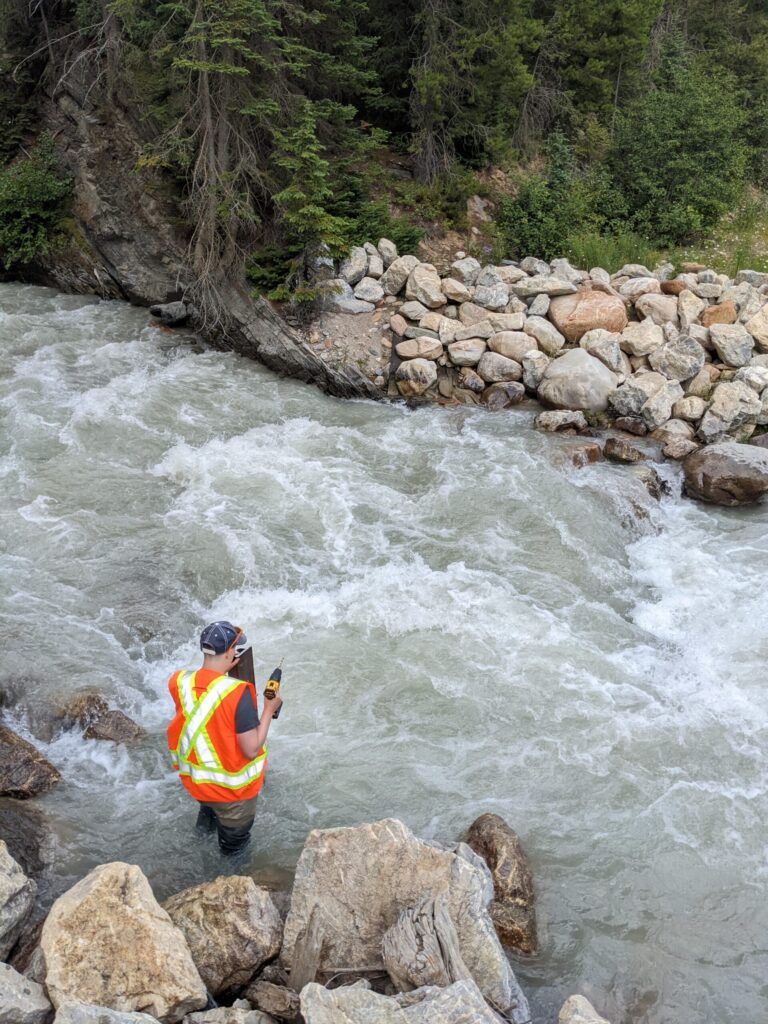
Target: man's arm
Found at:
252, 740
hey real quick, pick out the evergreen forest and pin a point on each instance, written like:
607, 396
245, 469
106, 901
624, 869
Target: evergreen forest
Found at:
293, 127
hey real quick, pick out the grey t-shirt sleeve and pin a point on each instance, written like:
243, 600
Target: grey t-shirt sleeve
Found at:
246, 715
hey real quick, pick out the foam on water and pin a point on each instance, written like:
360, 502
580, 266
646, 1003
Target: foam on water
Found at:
468, 627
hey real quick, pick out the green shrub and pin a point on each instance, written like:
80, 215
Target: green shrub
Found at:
587, 249
554, 206
33, 202
679, 156
374, 221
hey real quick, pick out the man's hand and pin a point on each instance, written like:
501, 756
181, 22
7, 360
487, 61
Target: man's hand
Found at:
272, 706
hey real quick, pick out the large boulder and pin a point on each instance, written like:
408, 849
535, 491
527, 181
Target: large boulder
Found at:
17, 895
107, 941
336, 295
387, 251
513, 908
658, 408
232, 928
757, 325
369, 289
358, 902
727, 473
423, 286
354, 267
24, 772
661, 309
680, 359
460, 1003
542, 284
604, 345
490, 291
640, 339
72, 1012
22, 1001
546, 335
466, 352
28, 836
397, 273
733, 343
415, 376
512, 344
574, 315
466, 271
733, 403
494, 368
629, 399
577, 380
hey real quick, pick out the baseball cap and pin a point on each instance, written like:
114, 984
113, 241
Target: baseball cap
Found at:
218, 637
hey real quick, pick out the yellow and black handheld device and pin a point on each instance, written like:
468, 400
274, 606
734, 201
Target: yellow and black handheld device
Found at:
272, 689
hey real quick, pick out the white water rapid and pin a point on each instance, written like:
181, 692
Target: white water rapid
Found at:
467, 627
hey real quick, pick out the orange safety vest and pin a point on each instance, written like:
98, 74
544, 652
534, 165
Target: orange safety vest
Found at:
203, 742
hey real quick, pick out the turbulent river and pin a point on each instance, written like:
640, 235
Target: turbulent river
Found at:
467, 625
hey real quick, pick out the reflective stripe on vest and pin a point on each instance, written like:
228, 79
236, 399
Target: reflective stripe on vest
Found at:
198, 712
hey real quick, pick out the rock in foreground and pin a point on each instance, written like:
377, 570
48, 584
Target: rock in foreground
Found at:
22, 1001
460, 1003
232, 928
513, 909
87, 1013
107, 941
362, 878
727, 474
578, 1010
24, 772
17, 894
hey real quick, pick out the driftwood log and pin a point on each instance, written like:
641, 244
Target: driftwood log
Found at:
422, 948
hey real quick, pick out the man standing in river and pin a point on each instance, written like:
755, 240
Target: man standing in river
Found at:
216, 738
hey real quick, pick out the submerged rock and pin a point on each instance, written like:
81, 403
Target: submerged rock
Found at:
114, 726
232, 928
617, 449
24, 772
171, 314
107, 941
560, 419
578, 1010
17, 896
727, 474
357, 905
513, 908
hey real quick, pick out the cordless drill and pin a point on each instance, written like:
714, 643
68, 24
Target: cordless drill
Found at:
272, 689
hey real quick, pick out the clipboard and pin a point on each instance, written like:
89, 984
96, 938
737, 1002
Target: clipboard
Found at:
244, 668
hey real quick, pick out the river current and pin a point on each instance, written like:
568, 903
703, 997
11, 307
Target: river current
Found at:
468, 626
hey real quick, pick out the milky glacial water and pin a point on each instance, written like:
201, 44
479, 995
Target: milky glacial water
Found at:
467, 625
